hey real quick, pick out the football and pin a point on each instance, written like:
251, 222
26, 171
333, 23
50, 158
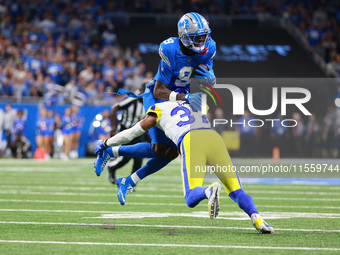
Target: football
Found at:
195, 68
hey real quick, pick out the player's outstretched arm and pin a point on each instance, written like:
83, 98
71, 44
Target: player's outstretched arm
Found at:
128, 135
162, 92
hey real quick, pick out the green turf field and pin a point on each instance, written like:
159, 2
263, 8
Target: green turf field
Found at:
59, 207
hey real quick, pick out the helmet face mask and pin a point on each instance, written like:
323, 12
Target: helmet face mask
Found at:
197, 42
194, 32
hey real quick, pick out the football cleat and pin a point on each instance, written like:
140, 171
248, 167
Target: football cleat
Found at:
213, 203
261, 226
124, 188
100, 146
102, 158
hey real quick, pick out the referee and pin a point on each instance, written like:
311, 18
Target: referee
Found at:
132, 112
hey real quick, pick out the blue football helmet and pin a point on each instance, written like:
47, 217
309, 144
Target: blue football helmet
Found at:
194, 31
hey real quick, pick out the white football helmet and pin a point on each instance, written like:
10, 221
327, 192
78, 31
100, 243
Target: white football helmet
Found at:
194, 31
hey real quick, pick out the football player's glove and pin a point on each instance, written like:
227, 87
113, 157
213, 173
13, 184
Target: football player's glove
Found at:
204, 76
194, 100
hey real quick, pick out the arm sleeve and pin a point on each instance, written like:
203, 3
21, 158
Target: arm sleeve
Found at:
126, 136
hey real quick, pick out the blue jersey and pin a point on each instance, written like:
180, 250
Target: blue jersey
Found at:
175, 68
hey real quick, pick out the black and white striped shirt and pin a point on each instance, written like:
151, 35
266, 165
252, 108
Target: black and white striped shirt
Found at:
132, 112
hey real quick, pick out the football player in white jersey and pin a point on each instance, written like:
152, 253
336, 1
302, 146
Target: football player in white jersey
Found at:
199, 145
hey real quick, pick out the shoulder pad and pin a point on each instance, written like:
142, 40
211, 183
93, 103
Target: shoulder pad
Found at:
212, 49
167, 49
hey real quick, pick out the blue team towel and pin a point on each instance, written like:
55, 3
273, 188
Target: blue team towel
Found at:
131, 94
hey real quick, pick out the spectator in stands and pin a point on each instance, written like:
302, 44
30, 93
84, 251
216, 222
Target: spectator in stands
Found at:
87, 74
314, 34
334, 66
6, 89
19, 78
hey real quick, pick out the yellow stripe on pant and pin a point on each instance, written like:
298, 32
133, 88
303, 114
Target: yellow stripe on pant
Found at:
199, 148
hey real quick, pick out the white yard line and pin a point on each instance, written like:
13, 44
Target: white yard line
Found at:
160, 226
174, 245
229, 215
94, 202
293, 186
156, 204
179, 190
40, 169
26, 192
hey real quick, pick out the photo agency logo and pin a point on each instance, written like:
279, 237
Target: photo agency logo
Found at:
295, 96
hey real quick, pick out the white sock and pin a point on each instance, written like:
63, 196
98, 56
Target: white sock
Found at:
255, 216
207, 192
135, 178
115, 151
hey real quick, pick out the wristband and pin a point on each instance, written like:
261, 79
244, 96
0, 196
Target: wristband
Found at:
172, 96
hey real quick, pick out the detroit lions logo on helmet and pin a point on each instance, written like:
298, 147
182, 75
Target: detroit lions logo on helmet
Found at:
183, 24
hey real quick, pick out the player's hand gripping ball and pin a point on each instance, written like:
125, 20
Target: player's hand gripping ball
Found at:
202, 74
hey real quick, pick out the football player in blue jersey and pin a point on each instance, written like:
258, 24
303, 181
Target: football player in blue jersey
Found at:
179, 57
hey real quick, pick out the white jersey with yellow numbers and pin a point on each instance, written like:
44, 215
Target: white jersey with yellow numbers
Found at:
177, 118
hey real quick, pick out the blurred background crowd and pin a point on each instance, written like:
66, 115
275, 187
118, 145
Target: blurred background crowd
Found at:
68, 52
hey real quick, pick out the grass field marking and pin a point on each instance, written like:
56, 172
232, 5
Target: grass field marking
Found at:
156, 204
50, 211
93, 202
40, 169
32, 187
110, 188
162, 226
231, 215
174, 245
250, 191
24, 192
293, 186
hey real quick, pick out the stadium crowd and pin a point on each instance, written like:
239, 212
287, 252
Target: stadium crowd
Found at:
62, 52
